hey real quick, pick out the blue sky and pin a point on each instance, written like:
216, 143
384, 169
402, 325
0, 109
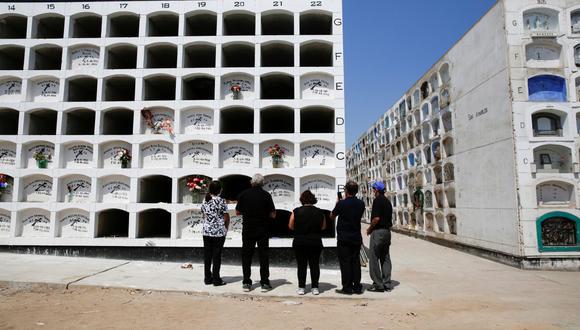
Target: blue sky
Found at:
390, 44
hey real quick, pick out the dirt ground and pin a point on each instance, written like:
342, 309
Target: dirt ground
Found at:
35, 306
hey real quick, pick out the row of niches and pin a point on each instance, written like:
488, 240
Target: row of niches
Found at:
164, 24
419, 132
120, 189
545, 22
115, 223
429, 154
235, 154
161, 120
439, 222
441, 175
163, 87
164, 55
547, 53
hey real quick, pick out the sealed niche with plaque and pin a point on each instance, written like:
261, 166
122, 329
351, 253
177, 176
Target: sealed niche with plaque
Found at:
196, 154
44, 90
7, 154
238, 87
157, 154
317, 154
190, 224
277, 154
281, 188
73, 223
35, 223
75, 189
37, 188
78, 155
317, 86
5, 223
10, 90
197, 121
322, 186
237, 154
37, 148
111, 153
84, 57
115, 189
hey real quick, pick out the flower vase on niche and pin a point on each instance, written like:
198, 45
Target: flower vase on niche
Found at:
157, 125
197, 186
42, 158
277, 155
237, 91
124, 156
3, 184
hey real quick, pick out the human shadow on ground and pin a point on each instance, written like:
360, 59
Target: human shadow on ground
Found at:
323, 287
394, 284
274, 283
232, 279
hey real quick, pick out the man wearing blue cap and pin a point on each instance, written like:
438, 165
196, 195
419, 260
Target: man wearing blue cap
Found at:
380, 231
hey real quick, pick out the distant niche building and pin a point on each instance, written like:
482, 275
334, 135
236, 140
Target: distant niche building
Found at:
483, 151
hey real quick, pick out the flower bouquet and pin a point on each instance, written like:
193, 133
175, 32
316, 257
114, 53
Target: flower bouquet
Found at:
277, 155
3, 184
197, 185
124, 156
42, 158
237, 90
157, 125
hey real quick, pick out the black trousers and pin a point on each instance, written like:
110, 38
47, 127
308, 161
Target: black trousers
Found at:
212, 253
349, 260
248, 245
308, 256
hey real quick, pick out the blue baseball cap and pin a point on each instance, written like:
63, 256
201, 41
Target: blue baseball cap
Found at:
378, 185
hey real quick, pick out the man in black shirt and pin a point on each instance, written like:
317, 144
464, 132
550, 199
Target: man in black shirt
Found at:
257, 209
380, 231
349, 239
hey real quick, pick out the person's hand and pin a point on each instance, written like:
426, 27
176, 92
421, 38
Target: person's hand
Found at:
369, 231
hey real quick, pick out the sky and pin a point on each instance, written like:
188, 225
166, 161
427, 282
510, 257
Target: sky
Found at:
390, 44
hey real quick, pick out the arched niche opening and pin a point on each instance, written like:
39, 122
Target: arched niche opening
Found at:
77, 154
5, 223
157, 154
411, 159
278, 228
10, 89
75, 189
199, 88
545, 88
121, 56
7, 192
322, 186
155, 223
238, 55
440, 222
425, 90
112, 223
316, 54
558, 231
13, 27
161, 56
555, 193
418, 137
316, 120
110, 153
155, 189
316, 23
317, 86
237, 120
448, 147
425, 112
197, 121
11, 58
237, 86
239, 23
577, 55
450, 196
451, 223
117, 122
277, 86
79, 122
85, 26
548, 123
435, 106
119, 88
277, 120
277, 23
434, 82
82, 89
201, 23
50, 26
9, 121
159, 87
233, 186
196, 154
199, 55
41, 122
444, 74
575, 20
553, 159
281, 187
36, 188
449, 172
429, 202
46, 57
277, 54
236, 154
34, 223
163, 25
539, 21
188, 196
543, 52
123, 25
114, 189
438, 171
447, 121
429, 222
287, 148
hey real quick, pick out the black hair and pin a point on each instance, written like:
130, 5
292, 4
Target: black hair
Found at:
215, 188
351, 188
307, 197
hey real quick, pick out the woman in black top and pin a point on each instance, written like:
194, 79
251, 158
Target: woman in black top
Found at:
307, 222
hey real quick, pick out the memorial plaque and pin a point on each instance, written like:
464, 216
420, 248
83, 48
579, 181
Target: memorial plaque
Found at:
196, 154
286, 147
85, 57
46, 148
317, 87
76, 189
45, 90
239, 87
281, 188
191, 224
323, 187
198, 122
7, 155
553, 193
236, 226
10, 90
79, 155
110, 152
74, 223
159, 116
238, 154
317, 155
37, 189
157, 155
5, 223
36, 224
115, 189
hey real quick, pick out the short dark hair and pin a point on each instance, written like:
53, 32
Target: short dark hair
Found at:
307, 197
215, 188
351, 188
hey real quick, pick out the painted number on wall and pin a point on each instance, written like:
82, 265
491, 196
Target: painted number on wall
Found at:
165, 5
277, 3
315, 3
11, 7
86, 6
201, 4
239, 4
50, 6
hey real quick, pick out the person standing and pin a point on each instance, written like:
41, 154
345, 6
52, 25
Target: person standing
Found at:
349, 239
307, 222
215, 224
257, 209
380, 232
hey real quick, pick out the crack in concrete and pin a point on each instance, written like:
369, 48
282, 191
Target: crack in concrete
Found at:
97, 273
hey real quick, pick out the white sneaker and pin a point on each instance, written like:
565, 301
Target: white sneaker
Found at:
300, 291
315, 291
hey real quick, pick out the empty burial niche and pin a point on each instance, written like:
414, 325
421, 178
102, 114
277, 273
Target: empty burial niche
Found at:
155, 189
154, 224
159, 88
277, 23
122, 57
277, 87
238, 55
82, 89
8, 122
278, 55
316, 23
239, 24
124, 26
46, 58
163, 25
12, 58
199, 56
316, 54
316, 120
119, 89
118, 122
233, 185
113, 223
13, 27
277, 120
237, 121
42, 122
48, 27
161, 56
80, 122
201, 24
86, 26
199, 88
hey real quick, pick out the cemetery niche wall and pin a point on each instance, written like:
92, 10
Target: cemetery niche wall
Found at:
109, 109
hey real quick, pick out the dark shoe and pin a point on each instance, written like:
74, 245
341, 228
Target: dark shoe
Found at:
358, 289
343, 291
375, 288
266, 287
210, 282
219, 283
247, 287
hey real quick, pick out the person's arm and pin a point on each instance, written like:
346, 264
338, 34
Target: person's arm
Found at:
323, 222
375, 217
291, 222
272, 207
227, 220
336, 211
374, 222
